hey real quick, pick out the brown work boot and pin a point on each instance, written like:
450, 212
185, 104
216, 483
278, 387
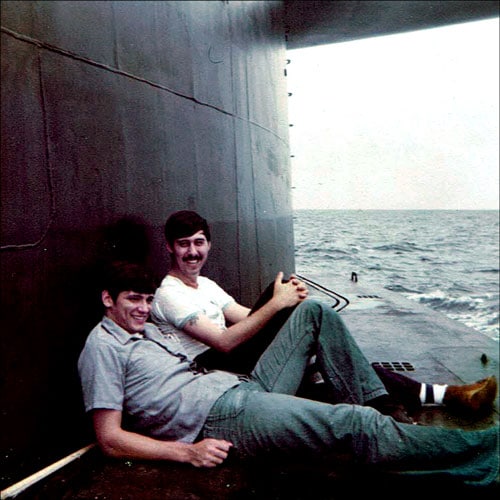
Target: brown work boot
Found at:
472, 397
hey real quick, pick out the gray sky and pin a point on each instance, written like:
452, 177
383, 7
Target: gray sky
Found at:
406, 121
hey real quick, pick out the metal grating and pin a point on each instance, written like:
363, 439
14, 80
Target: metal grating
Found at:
396, 366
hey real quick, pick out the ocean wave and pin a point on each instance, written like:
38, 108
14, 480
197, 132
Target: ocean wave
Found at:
395, 248
402, 247
402, 289
446, 260
443, 301
486, 322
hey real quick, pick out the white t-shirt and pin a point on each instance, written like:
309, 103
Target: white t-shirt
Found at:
175, 304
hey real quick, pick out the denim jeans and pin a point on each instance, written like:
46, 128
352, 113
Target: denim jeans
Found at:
244, 357
262, 415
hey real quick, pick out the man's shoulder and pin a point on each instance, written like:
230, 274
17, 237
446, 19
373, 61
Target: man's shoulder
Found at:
99, 335
203, 280
172, 285
171, 282
206, 285
171, 289
98, 345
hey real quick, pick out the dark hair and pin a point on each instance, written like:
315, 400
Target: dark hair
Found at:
123, 276
185, 223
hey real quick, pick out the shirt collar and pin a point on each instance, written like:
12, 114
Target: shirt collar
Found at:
122, 336
151, 332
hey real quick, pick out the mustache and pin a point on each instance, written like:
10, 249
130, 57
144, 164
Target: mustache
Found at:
191, 257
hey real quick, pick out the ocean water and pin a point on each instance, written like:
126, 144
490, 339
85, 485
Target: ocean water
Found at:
447, 260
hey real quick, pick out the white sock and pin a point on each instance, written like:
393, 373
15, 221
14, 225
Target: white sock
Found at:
422, 393
438, 391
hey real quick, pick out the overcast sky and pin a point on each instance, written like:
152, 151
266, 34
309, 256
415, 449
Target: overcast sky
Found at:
406, 121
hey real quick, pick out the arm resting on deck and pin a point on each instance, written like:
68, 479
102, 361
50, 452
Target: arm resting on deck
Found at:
119, 443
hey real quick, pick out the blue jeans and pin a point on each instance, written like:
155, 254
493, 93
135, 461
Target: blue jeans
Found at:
262, 415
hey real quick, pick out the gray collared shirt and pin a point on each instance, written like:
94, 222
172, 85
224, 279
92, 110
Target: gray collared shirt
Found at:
150, 379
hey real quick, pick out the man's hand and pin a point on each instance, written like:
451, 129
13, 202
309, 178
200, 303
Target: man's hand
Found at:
209, 452
290, 293
300, 286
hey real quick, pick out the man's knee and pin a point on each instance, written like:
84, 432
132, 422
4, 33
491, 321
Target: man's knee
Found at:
311, 305
323, 318
318, 309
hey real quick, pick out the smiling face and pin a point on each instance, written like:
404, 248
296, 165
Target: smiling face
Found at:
189, 255
130, 310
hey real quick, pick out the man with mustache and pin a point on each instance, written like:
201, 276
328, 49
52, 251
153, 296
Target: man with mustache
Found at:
220, 333
197, 310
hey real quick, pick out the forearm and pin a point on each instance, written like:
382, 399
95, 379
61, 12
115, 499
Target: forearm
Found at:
119, 443
124, 444
247, 327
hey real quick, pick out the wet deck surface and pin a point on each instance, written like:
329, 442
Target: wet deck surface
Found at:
389, 329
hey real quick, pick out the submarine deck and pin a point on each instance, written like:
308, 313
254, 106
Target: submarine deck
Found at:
390, 329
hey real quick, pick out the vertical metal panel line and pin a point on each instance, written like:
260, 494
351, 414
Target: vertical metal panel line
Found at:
50, 172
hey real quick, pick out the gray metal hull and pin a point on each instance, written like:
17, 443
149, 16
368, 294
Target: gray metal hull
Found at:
115, 114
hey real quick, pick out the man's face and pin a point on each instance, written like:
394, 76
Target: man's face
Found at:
190, 253
130, 311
